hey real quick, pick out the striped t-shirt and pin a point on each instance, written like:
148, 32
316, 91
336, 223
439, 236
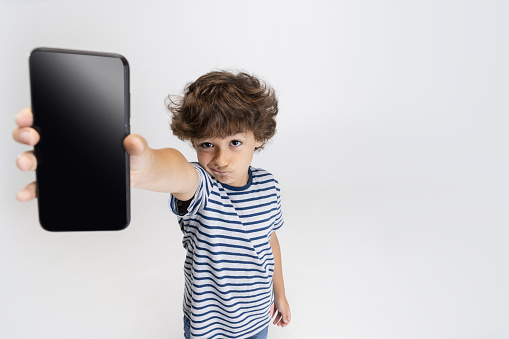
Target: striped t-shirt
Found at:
229, 262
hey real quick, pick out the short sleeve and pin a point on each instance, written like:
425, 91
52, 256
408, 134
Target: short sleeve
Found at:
200, 198
278, 223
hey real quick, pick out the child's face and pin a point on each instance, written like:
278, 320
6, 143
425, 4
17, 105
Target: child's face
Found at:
227, 159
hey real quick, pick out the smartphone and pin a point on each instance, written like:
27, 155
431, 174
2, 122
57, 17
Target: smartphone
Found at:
80, 104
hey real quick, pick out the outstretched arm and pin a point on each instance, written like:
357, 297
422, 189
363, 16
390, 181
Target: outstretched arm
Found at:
161, 170
281, 306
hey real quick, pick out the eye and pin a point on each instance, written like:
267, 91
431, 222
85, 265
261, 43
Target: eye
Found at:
236, 143
206, 145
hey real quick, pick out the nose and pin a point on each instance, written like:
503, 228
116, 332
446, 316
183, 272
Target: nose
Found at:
221, 158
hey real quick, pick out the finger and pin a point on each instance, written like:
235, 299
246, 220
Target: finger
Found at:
285, 321
286, 318
277, 319
27, 193
274, 310
280, 321
135, 144
26, 135
271, 311
24, 118
27, 161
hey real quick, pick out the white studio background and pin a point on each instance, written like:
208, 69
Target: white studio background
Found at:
391, 150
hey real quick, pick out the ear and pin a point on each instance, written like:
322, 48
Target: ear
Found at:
258, 143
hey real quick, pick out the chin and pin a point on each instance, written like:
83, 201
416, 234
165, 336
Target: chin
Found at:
223, 180
226, 180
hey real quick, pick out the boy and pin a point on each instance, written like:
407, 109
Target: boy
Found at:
227, 210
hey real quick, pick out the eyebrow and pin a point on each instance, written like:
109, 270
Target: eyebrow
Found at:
236, 136
231, 137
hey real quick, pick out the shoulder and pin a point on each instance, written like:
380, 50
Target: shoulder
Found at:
263, 177
204, 175
206, 186
200, 169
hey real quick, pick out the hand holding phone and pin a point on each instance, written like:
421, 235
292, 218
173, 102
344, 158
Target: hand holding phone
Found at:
135, 145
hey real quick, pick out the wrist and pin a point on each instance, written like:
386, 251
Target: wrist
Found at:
279, 297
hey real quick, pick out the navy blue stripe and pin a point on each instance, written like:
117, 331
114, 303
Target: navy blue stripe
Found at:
249, 207
254, 199
225, 261
241, 216
219, 219
196, 286
240, 230
225, 197
252, 191
250, 284
259, 213
235, 277
226, 245
219, 311
233, 297
257, 173
258, 222
218, 236
230, 269
231, 321
209, 209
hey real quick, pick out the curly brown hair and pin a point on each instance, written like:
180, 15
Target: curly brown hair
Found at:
221, 103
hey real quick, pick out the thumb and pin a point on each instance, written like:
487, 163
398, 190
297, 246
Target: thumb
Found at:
140, 156
135, 144
287, 316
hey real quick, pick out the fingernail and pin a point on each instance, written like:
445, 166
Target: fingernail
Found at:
24, 136
21, 196
23, 162
19, 160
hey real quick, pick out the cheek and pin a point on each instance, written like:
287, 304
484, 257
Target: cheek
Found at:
248, 155
204, 158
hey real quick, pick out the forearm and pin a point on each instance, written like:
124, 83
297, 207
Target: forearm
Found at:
277, 279
168, 171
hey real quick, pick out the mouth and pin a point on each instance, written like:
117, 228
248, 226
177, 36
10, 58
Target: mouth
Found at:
218, 172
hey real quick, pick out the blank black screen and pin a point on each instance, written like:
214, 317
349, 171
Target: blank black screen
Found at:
80, 104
